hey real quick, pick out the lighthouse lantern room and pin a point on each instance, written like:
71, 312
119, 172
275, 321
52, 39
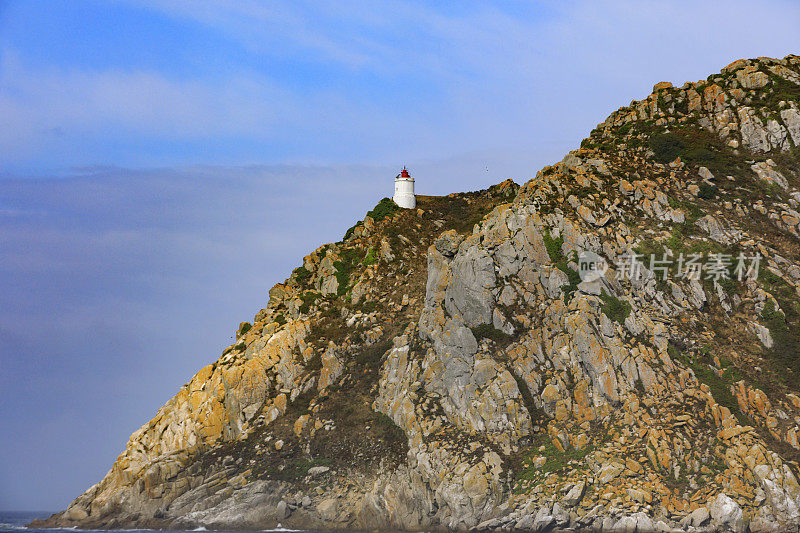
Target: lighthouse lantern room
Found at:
404, 190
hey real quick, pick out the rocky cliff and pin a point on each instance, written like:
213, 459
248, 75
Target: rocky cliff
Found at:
612, 346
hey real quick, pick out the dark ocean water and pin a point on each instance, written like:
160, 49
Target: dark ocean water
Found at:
14, 522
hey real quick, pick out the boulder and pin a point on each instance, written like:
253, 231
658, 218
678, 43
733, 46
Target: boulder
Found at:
447, 243
76, 513
328, 509
626, 524
726, 514
706, 174
644, 524
791, 118
469, 292
609, 471
574, 495
560, 515
696, 518
763, 334
317, 470
750, 78
543, 520
717, 231
766, 172
282, 510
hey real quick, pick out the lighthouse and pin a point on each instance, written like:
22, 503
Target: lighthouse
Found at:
404, 190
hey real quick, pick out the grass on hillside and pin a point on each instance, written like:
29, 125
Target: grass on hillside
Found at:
555, 251
614, 308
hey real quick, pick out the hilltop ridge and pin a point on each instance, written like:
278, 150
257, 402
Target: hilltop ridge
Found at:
453, 367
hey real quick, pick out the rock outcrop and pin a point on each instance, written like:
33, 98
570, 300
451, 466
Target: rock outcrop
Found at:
611, 346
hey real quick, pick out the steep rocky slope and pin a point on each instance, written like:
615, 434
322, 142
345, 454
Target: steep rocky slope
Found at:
448, 367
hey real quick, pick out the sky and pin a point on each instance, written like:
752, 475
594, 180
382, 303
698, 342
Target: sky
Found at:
163, 163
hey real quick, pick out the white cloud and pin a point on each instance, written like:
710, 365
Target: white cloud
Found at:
502, 76
46, 110
477, 78
43, 106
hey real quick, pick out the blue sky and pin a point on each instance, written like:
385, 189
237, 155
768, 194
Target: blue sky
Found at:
163, 163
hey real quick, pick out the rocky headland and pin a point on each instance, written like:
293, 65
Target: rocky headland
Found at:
448, 367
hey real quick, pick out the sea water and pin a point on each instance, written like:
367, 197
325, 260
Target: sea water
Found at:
15, 521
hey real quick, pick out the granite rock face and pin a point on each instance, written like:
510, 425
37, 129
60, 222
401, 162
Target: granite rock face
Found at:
453, 367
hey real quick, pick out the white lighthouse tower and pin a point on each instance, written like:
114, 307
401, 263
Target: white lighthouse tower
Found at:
404, 190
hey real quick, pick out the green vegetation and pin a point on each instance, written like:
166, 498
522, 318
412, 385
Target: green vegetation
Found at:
770, 279
302, 275
536, 413
675, 240
691, 210
553, 247
653, 251
720, 384
728, 285
245, 327
386, 207
603, 144
299, 468
781, 90
783, 326
773, 317
351, 229
367, 306
583, 192
648, 247
666, 147
624, 129
280, 319
786, 342
679, 244
682, 106
464, 215
614, 308
388, 430
556, 254
707, 192
371, 258
505, 192
555, 461
694, 145
370, 356
309, 298
487, 331
573, 278
699, 155
709, 247
344, 268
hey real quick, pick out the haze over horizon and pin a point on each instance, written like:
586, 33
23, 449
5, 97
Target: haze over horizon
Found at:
164, 163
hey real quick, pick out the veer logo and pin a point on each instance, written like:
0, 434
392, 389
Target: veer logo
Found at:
591, 266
